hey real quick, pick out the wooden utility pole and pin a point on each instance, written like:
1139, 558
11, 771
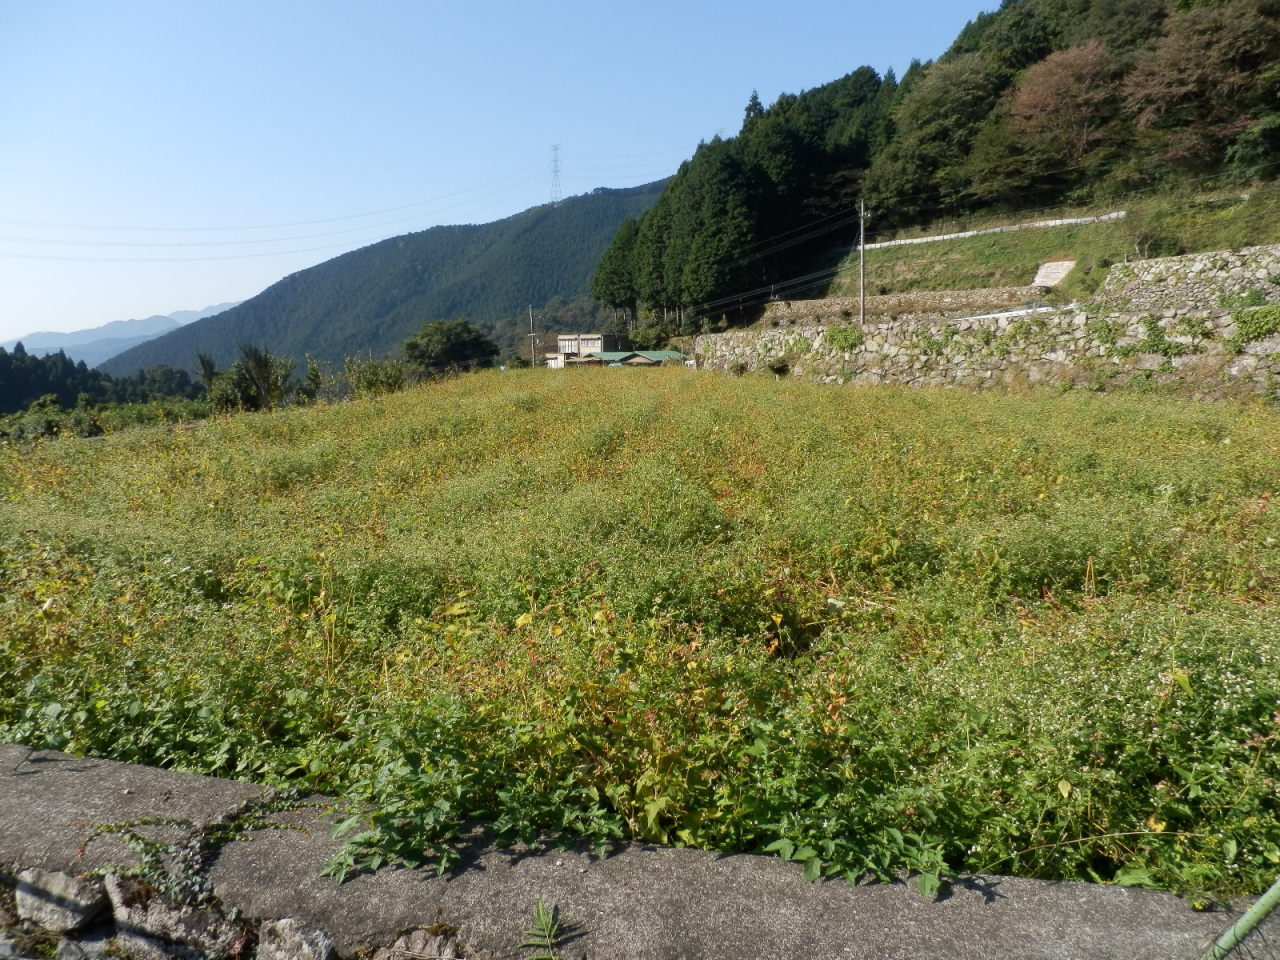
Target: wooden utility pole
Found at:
862, 263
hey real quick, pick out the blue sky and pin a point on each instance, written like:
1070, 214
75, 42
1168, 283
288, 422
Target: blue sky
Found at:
159, 156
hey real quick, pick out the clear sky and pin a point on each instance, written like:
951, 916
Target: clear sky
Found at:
159, 155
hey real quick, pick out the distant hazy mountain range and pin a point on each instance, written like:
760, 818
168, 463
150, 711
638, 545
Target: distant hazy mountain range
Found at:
99, 344
372, 299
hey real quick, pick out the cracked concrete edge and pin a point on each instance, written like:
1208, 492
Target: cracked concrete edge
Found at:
641, 903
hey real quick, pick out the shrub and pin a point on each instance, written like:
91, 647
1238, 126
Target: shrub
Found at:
1253, 325
256, 381
371, 378
452, 346
845, 338
1155, 341
1238, 301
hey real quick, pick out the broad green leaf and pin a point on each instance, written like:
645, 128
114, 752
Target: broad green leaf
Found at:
928, 884
782, 848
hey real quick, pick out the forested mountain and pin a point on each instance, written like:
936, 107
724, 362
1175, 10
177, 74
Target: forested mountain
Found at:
371, 300
1042, 101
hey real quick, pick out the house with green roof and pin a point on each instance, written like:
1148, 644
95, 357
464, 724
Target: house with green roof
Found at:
598, 349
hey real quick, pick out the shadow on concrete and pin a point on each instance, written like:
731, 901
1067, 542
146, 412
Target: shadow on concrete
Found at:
986, 886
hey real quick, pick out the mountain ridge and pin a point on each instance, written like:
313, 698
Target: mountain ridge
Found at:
95, 345
370, 300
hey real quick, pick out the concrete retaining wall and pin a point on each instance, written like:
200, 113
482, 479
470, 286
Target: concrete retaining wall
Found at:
1012, 228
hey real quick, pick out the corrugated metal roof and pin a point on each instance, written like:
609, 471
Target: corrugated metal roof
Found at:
613, 356
657, 356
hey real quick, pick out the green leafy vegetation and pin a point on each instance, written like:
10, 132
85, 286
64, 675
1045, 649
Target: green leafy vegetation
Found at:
1254, 325
370, 301
62, 398
845, 338
256, 381
1155, 341
865, 630
45, 419
449, 346
1238, 301
371, 377
1168, 223
543, 934
173, 856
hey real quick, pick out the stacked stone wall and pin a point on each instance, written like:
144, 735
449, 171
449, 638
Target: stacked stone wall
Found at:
1197, 320
1249, 277
916, 304
1198, 347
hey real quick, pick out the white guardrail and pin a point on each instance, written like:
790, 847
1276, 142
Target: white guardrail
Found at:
1014, 228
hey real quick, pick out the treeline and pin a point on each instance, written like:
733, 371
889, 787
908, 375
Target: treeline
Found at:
1042, 101
258, 380
71, 400
26, 379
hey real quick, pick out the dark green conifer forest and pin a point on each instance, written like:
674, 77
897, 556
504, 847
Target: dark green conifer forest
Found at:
26, 379
1038, 103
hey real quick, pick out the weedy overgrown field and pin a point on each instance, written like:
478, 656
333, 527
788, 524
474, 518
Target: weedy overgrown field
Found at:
868, 630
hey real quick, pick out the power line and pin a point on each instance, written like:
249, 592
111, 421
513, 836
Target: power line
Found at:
820, 277
555, 174
629, 156
49, 241
520, 172
850, 215
352, 244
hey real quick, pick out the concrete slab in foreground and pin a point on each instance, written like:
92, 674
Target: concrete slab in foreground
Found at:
642, 903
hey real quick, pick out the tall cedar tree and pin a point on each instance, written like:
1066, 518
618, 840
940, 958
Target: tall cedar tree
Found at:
614, 282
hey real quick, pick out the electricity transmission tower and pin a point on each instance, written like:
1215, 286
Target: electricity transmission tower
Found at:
555, 174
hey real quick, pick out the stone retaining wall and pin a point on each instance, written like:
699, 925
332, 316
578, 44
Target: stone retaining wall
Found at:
1169, 320
1199, 347
1205, 280
924, 303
